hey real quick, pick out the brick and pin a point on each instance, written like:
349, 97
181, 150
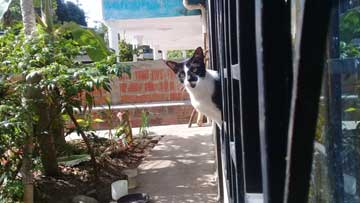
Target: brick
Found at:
171, 75
157, 74
159, 110
169, 119
158, 116
175, 96
135, 122
127, 99
137, 98
172, 86
143, 98
97, 92
125, 77
135, 87
178, 86
149, 87
141, 75
146, 85
163, 86
99, 101
137, 113
123, 87
159, 97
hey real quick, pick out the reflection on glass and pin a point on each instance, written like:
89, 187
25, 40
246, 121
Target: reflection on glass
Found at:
336, 163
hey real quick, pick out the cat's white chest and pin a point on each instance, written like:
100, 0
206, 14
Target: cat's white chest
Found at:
201, 97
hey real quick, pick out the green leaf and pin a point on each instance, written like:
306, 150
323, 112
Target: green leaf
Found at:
107, 87
98, 120
108, 102
351, 109
89, 99
4, 5
89, 86
96, 50
80, 121
66, 117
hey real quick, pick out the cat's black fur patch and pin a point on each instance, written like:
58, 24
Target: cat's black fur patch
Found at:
216, 97
196, 66
178, 69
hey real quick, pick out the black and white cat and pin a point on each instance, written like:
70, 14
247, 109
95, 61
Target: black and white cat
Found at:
203, 85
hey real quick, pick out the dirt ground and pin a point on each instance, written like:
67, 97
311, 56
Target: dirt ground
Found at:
79, 179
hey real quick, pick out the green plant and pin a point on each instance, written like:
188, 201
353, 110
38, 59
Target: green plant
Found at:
126, 51
44, 72
124, 130
144, 126
12, 191
350, 25
108, 114
349, 30
178, 54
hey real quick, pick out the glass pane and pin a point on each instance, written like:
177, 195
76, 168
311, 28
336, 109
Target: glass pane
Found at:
336, 163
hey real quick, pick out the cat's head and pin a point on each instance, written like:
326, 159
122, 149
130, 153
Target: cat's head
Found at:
191, 70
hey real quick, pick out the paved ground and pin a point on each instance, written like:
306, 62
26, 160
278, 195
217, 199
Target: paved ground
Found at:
181, 167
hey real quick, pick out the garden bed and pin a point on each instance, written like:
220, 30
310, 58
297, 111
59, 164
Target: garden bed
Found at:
77, 180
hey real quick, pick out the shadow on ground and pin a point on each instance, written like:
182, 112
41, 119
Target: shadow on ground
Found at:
180, 168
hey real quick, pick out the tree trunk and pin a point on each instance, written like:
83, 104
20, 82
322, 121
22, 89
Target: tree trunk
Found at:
28, 15
46, 139
7, 19
58, 132
26, 170
57, 128
46, 14
88, 145
42, 128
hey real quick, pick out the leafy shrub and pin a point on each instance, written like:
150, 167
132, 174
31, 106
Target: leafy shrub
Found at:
43, 70
177, 54
126, 51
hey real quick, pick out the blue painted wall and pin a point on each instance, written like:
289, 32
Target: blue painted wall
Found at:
137, 9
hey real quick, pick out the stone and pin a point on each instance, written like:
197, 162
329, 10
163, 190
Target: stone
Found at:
83, 199
118, 189
131, 174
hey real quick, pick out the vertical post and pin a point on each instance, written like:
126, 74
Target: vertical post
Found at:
308, 70
183, 53
334, 121
113, 39
274, 70
248, 95
213, 64
164, 54
155, 52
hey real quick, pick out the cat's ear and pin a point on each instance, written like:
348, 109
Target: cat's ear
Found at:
199, 52
173, 65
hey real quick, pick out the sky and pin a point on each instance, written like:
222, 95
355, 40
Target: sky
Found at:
92, 10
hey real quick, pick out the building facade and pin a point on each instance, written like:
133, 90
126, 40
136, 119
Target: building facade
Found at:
162, 24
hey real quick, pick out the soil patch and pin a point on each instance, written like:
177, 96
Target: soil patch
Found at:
78, 179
